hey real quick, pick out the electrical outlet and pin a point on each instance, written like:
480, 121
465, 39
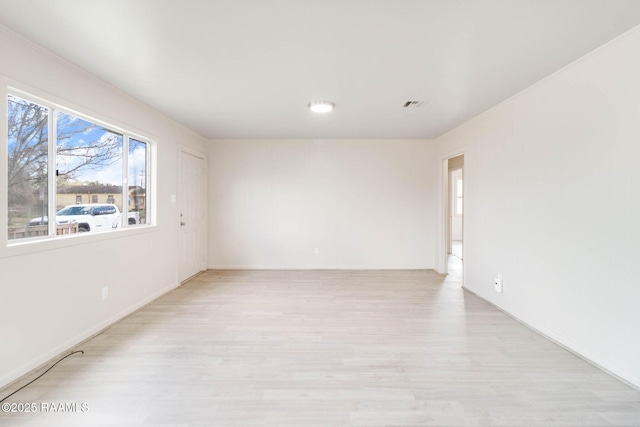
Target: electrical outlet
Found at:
498, 283
316, 251
105, 292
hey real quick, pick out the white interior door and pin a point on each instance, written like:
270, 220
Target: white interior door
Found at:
192, 214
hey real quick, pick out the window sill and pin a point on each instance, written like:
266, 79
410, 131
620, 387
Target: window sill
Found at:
30, 246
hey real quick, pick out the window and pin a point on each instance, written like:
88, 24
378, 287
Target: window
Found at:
28, 172
138, 153
459, 199
56, 158
88, 156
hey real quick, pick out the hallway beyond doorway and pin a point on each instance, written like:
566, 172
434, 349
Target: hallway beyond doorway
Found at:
456, 248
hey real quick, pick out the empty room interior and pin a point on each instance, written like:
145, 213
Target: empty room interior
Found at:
356, 212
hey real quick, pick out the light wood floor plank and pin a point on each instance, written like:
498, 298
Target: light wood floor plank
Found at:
294, 348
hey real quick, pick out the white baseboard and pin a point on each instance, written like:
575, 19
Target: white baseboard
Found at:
312, 267
56, 352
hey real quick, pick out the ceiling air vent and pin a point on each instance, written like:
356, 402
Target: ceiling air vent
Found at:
413, 104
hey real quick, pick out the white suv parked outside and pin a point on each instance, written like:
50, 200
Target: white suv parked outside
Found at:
89, 217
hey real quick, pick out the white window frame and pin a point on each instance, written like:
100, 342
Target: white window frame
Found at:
17, 247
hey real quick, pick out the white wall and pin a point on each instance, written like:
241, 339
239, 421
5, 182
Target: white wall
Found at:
552, 201
51, 299
362, 203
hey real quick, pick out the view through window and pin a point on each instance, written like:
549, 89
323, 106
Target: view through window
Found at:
101, 172
459, 197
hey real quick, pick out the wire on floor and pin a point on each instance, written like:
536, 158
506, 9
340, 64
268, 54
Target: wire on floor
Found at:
39, 376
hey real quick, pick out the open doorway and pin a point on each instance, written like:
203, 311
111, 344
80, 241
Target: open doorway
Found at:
455, 214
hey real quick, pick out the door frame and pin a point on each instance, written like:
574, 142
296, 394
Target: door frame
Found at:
443, 225
204, 157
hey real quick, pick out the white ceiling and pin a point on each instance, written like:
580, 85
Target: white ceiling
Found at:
248, 69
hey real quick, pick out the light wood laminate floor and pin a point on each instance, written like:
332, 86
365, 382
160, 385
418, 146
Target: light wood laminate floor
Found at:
295, 348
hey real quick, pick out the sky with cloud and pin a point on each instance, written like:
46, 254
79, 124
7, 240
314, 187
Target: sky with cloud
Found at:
101, 150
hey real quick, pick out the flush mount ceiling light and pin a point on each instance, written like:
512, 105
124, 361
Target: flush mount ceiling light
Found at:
321, 106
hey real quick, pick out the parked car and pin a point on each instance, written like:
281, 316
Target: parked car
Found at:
89, 217
133, 217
